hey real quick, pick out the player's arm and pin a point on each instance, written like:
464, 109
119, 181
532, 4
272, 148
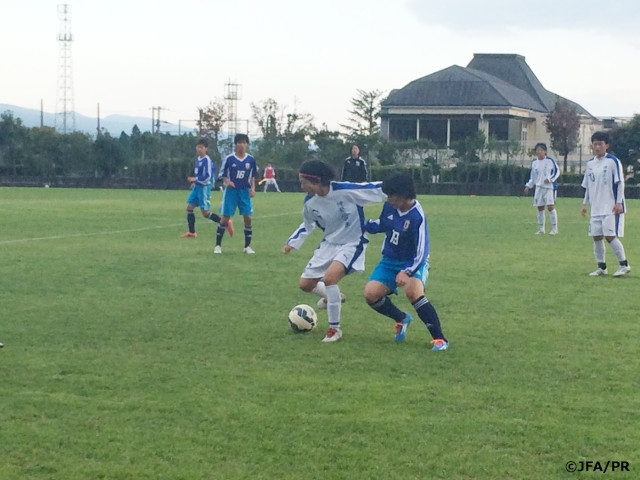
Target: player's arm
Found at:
372, 226
297, 238
555, 172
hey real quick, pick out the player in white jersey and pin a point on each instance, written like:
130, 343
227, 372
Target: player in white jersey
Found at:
603, 185
337, 208
544, 173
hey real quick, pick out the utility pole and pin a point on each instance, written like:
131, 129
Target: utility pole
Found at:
155, 121
65, 115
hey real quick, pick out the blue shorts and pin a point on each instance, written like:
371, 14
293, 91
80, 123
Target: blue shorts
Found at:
386, 271
234, 198
199, 196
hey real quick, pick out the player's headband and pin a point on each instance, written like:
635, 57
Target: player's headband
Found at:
309, 175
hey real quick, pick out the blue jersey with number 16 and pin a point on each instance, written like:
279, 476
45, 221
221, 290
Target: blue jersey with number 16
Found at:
239, 171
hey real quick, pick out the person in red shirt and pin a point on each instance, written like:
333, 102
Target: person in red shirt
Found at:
269, 178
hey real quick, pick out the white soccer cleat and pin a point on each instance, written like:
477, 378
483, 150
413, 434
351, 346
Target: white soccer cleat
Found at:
553, 232
622, 271
248, 250
217, 249
540, 232
598, 272
333, 335
322, 303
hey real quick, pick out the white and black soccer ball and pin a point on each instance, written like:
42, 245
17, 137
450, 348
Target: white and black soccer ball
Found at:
302, 318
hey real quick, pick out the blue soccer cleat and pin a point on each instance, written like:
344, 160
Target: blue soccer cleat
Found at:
439, 344
401, 327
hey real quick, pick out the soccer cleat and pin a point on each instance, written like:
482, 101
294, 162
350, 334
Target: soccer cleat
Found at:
322, 303
248, 250
401, 327
439, 344
622, 271
333, 335
599, 271
540, 232
217, 249
230, 228
189, 234
553, 232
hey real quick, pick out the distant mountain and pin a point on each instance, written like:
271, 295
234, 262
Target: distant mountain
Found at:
114, 124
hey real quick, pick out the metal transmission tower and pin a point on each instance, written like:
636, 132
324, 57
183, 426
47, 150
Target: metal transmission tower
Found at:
232, 96
65, 114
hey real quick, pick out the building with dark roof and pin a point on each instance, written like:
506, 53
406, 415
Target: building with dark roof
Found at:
495, 93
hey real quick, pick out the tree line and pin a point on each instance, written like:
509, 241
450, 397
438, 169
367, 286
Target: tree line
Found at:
287, 138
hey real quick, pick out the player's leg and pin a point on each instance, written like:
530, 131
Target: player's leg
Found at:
191, 222
553, 218
192, 201
541, 220
227, 209
332, 276
426, 311
614, 229
245, 205
595, 231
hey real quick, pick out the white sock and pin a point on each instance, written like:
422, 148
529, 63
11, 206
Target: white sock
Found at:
553, 217
541, 220
618, 249
334, 303
598, 250
320, 289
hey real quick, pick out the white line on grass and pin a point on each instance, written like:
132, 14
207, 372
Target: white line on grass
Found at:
118, 232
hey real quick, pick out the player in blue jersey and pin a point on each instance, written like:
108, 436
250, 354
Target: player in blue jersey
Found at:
203, 176
238, 174
544, 173
603, 185
405, 260
337, 209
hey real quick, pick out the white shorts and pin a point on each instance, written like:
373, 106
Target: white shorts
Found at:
607, 225
544, 196
351, 256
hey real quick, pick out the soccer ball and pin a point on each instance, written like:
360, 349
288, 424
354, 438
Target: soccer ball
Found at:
302, 318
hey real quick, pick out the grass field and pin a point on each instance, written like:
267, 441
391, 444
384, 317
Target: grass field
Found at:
131, 353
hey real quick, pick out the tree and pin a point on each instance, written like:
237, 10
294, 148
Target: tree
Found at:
14, 147
267, 114
211, 119
625, 141
563, 123
364, 115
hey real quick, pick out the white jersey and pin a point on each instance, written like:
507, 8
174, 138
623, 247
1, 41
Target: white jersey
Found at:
339, 213
604, 184
541, 170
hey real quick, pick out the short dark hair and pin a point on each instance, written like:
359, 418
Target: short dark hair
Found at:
202, 141
600, 136
316, 171
241, 137
541, 145
400, 184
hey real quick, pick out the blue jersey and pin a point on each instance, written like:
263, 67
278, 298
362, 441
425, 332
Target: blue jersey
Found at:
204, 170
407, 236
240, 172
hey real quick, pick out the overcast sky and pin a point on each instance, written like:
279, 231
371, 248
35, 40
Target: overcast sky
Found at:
132, 55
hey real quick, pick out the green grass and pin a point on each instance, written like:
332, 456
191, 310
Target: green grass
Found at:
131, 353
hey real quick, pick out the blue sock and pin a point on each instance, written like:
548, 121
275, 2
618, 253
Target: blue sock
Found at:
429, 317
386, 307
